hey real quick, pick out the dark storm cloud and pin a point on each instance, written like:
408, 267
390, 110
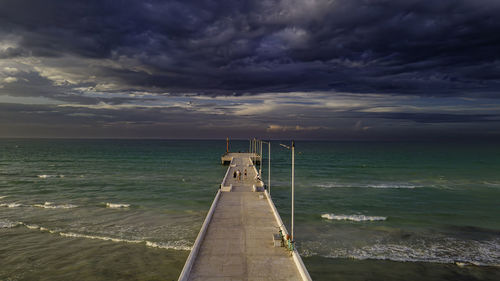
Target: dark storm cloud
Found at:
32, 84
22, 120
448, 47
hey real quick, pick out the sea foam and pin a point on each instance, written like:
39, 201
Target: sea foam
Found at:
461, 253
171, 245
50, 205
357, 218
117, 205
10, 205
95, 237
407, 186
9, 224
31, 226
175, 245
362, 185
444, 250
50, 176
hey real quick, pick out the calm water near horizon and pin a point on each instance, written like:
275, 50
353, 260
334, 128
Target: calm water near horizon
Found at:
131, 209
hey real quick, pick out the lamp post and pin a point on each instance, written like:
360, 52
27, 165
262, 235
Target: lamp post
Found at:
293, 186
260, 166
268, 165
254, 147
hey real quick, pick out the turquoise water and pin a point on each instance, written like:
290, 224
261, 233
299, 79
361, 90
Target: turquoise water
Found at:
131, 209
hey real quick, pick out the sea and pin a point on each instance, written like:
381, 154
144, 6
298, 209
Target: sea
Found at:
131, 209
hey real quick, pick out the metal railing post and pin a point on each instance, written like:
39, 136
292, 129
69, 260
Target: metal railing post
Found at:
269, 167
293, 187
260, 166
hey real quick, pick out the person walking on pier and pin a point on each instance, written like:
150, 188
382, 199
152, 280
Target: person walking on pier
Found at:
238, 174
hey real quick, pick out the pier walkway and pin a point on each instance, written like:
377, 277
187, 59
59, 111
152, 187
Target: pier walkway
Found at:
236, 240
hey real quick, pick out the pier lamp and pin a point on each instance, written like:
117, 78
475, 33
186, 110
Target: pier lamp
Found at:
268, 165
260, 166
293, 182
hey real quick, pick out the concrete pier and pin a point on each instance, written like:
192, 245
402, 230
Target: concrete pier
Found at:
228, 156
236, 239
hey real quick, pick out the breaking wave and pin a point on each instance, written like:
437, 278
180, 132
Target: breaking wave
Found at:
10, 205
175, 245
407, 186
171, 245
31, 226
117, 205
46, 205
9, 224
491, 183
78, 235
357, 218
50, 176
448, 250
2, 197
385, 185
50, 205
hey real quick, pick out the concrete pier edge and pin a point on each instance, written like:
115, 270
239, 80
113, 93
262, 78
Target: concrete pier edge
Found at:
186, 270
192, 258
296, 257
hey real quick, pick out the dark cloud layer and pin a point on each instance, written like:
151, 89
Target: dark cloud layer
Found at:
317, 69
433, 48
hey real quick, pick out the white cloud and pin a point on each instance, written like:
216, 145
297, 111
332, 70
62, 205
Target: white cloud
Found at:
103, 105
10, 80
61, 76
27, 100
10, 70
254, 108
296, 128
10, 42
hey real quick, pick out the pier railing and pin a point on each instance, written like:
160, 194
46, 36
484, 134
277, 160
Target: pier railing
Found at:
255, 158
224, 186
295, 255
197, 244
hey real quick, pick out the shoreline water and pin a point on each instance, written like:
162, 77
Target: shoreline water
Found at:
437, 201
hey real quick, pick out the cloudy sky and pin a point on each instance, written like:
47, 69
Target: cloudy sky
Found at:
303, 69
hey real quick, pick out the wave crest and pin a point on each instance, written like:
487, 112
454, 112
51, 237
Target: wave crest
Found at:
181, 245
50, 205
175, 245
484, 253
435, 250
10, 205
117, 205
50, 176
9, 224
78, 235
382, 185
357, 218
